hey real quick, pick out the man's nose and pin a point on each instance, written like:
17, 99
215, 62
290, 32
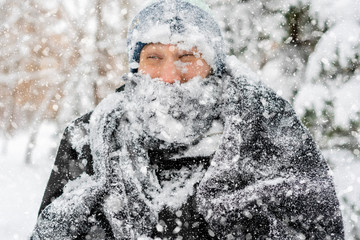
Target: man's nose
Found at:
170, 73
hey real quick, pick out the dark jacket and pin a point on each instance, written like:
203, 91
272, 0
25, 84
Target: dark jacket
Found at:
70, 163
246, 201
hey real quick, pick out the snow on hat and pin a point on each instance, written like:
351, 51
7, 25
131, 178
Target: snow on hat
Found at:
187, 23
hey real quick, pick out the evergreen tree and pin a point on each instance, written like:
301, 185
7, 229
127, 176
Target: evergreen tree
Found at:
329, 101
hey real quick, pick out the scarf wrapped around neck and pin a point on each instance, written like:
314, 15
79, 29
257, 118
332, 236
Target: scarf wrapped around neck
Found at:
266, 179
147, 115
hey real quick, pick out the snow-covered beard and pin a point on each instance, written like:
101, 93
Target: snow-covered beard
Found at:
149, 114
171, 115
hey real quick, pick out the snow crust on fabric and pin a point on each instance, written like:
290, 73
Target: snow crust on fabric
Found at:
268, 171
67, 216
266, 179
148, 114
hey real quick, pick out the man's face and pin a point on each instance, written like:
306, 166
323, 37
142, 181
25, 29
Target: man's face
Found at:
169, 63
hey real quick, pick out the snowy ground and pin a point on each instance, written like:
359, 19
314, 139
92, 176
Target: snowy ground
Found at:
22, 186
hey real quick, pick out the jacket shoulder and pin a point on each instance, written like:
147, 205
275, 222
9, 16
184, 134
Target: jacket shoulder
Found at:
252, 99
77, 132
84, 119
71, 159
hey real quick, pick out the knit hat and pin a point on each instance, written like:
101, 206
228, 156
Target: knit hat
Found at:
185, 23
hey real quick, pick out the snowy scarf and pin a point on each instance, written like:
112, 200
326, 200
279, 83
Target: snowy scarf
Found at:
266, 179
148, 114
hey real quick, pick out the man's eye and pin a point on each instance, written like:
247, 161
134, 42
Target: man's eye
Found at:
187, 55
153, 57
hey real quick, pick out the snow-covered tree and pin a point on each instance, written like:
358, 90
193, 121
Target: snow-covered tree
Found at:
59, 59
273, 37
329, 101
28, 63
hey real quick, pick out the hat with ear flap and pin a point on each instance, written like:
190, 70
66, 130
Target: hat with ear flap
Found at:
187, 23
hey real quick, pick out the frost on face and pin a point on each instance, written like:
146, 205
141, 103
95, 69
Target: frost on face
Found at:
178, 22
174, 113
182, 66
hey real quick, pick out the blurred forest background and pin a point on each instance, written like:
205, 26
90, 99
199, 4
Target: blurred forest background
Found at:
59, 58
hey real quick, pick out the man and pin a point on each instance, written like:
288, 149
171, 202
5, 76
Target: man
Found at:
189, 148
